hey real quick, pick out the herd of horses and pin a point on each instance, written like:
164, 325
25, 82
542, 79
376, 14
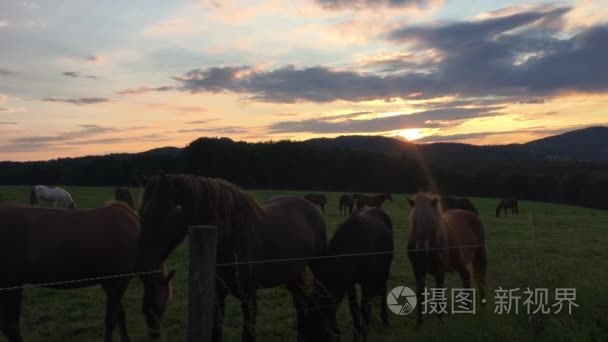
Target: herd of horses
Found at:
260, 245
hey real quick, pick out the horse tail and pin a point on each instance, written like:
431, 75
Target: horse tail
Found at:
480, 264
480, 259
499, 207
33, 197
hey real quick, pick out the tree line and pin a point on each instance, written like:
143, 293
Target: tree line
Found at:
288, 165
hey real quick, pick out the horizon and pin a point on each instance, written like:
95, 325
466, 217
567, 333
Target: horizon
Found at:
97, 79
398, 138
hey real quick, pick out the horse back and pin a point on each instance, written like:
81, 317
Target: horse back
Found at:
291, 229
369, 233
465, 233
42, 245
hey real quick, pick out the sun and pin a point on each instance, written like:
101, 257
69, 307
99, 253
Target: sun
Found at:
411, 134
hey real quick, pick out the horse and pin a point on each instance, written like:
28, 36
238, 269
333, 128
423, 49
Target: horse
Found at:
368, 232
318, 199
346, 204
55, 195
442, 242
448, 202
251, 237
373, 201
508, 203
69, 249
124, 195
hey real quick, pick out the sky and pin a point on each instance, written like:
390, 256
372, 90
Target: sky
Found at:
82, 77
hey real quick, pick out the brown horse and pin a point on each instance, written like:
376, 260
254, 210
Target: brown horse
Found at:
318, 199
250, 237
67, 249
508, 203
368, 232
372, 201
448, 202
346, 204
123, 194
442, 242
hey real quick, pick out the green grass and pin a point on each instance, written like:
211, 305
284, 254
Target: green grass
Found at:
546, 246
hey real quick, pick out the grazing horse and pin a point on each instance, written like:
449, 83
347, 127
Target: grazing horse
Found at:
124, 195
442, 242
250, 237
372, 201
68, 249
448, 202
55, 195
508, 203
368, 232
318, 199
346, 204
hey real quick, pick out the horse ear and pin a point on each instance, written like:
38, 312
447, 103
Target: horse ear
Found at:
410, 202
434, 201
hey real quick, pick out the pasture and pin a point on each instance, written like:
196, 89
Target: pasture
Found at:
546, 246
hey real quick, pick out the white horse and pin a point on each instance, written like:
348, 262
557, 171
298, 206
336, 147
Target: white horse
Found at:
55, 195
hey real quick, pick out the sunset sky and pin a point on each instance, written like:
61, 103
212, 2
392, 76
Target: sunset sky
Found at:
93, 77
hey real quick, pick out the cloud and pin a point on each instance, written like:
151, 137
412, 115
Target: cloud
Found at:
81, 136
7, 72
77, 101
289, 84
218, 130
200, 122
371, 4
97, 59
519, 54
429, 119
3, 23
76, 74
142, 90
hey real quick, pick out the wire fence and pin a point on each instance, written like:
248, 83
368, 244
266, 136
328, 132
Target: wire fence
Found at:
265, 261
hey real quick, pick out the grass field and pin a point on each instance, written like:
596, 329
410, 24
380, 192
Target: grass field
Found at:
546, 246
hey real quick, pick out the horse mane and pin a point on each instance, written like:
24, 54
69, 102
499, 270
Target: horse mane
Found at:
426, 221
218, 201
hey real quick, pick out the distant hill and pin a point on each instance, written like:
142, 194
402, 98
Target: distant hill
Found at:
584, 144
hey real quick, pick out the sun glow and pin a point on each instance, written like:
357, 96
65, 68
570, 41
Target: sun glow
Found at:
412, 134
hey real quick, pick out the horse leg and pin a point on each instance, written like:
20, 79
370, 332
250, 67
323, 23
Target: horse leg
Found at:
366, 306
298, 296
114, 312
10, 312
464, 274
218, 316
249, 308
479, 271
420, 284
355, 312
440, 284
384, 306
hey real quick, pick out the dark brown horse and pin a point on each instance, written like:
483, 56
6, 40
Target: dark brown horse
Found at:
124, 195
372, 201
250, 238
368, 232
58, 248
448, 203
318, 199
443, 242
508, 203
346, 204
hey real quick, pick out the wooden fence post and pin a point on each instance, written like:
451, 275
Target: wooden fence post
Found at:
203, 246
